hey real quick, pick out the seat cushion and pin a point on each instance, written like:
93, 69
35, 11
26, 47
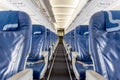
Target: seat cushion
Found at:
37, 69
35, 59
82, 69
87, 61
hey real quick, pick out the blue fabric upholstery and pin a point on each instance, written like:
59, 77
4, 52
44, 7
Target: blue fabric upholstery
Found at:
38, 37
35, 59
9, 22
82, 70
38, 42
48, 39
70, 40
81, 39
15, 42
48, 42
105, 44
37, 68
82, 47
67, 38
51, 38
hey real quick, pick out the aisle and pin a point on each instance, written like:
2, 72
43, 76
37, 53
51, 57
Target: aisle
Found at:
60, 70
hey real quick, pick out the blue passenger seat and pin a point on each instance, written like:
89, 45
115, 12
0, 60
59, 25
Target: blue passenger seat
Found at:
15, 40
52, 46
66, 42
38, 58
48, 40
69, 44
81, 59
105, 45
72, 44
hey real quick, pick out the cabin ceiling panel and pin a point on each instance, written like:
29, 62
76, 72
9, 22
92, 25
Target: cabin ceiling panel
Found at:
92, 7
63, 10
67, 11
65, 20
64, 2
61, 24
62, 16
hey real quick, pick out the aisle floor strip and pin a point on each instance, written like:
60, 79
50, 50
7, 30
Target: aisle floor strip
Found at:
52, 65
68, 67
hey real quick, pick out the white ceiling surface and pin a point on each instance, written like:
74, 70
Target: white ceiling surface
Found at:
92, 7
63, 11
5, 5
28, 7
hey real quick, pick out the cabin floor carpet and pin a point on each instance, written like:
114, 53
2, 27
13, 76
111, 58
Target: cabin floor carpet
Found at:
60, 71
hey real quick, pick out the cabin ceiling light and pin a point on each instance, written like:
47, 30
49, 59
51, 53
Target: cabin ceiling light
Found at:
63, 10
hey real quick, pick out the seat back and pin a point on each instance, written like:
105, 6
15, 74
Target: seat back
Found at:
72, 40
53, 38
38, 38
48, 37
105, 43
15, 40
81, 39
67, 38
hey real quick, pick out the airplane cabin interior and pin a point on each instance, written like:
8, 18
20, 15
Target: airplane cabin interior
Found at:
59, 39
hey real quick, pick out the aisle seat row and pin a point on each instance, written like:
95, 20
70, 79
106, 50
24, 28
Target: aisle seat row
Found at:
24, 48
80, 58
95, 47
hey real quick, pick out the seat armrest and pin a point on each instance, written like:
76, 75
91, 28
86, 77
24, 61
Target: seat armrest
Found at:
26, 74
69, 49
45, 55
65, 44
51, 47
92, 75
31, 63
84, 64
74, 55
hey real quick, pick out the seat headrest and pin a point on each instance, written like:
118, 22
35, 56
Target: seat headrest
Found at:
14, 20
8, 20
71, 33
82, 30
48, 32
38, 29
106, 20
112, 20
